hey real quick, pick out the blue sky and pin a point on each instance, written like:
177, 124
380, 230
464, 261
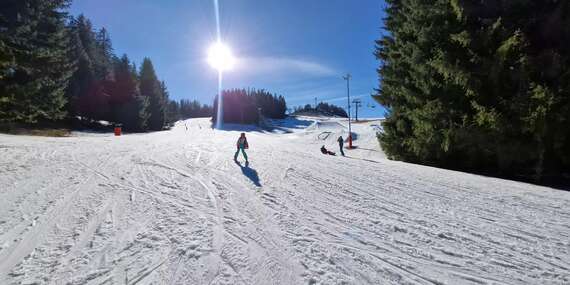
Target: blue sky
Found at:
296, 48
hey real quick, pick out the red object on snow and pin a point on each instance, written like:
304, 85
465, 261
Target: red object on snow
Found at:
118, 131
350, 141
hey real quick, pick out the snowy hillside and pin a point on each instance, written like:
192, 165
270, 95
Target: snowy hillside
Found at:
173, 208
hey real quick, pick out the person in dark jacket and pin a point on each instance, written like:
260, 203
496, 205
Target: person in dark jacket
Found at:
341, 144
241, 145
324, 150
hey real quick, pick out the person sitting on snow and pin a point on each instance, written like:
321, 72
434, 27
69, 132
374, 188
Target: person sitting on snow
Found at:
241, 145
325, 151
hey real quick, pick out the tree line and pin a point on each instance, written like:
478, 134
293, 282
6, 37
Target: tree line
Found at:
321, 109
482, 86
185, 109
106, 87
55, 67
245, 106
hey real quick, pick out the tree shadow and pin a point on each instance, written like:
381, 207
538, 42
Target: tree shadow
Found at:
229, 127
288, 124
249, 173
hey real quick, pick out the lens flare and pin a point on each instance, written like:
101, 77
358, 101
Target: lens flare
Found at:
220, 57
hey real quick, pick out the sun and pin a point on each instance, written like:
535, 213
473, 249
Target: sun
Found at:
220, 57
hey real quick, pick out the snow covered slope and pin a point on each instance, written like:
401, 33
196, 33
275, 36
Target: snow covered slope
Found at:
173, 208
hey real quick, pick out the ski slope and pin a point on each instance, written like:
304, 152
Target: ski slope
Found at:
173, 208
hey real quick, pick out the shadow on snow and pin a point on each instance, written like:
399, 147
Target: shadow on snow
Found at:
286, 125
281, 125
249, 173
240, 128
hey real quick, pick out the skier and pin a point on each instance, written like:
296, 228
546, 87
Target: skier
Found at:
241, 145
341, 144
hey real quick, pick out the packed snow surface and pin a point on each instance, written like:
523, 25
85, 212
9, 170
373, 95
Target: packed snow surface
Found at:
173, 207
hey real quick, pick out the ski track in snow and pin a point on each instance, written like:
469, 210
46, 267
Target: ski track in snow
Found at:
173, 208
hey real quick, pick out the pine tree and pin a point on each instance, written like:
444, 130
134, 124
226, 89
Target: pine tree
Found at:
172, 112
477, 86
6, 60
34, 69
193, 109
150, 88
321, 109
103, 54
164, 92
127, 106
247, 105
423, 103
521, 53
92, 53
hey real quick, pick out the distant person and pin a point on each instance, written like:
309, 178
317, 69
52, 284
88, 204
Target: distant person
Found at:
341, 144
324, 150
241, 145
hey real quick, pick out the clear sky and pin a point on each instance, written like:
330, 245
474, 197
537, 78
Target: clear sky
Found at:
296, 48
